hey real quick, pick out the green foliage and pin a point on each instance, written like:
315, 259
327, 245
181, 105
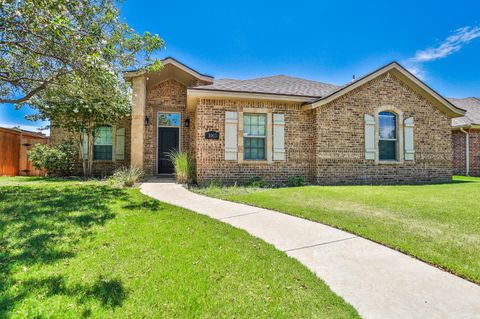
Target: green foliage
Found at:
126, 176
436, 223
58, 160
184, 169
45, 42
86, 250
80, 103
296, 181
256, 182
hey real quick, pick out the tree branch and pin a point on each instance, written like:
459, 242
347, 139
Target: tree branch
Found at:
26, 97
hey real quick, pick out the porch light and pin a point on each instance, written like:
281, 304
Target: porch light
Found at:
147, 120
187, 122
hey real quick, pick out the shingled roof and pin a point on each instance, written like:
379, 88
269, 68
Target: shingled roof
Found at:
277, 84
472, 106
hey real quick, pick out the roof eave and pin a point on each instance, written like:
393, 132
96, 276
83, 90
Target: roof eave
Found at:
198, 92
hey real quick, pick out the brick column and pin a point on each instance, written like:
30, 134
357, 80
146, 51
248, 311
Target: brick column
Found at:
138, 117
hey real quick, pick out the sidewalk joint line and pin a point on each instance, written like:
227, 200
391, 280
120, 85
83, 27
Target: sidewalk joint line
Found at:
240, 215
321, 244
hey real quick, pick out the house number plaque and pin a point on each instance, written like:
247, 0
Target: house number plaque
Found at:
212, 135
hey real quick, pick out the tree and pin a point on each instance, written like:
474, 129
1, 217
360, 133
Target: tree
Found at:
79, 103
44, 42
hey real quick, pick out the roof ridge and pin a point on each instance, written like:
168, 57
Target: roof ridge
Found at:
291, 77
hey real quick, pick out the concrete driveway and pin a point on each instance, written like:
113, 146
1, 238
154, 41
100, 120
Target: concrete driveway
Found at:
378, 281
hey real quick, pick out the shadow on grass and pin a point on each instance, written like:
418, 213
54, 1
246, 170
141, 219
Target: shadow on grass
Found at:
43, 224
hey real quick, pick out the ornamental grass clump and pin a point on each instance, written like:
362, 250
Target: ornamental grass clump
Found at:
126, 176
183, 166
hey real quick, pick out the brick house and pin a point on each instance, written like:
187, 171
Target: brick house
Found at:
386, 127
466, 138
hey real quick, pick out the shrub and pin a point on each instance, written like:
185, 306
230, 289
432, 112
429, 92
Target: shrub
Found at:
256, 182
126, 176
296, 181
183, 165
58, 160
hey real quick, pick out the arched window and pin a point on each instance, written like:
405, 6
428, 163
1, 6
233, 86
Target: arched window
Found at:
387, 136
102, 147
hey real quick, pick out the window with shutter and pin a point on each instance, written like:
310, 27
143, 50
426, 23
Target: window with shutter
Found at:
231, 136
278, 137
409, 141
387, 136
102, 147
369, 137
120, 144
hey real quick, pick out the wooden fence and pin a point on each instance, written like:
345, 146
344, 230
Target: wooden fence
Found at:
14, 147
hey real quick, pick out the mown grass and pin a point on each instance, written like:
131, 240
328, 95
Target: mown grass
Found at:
71, 249
439, 224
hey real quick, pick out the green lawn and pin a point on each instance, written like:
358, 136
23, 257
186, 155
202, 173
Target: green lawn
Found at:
73, 249
439, 224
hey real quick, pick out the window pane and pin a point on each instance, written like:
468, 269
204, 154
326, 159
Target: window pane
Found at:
102, 152
169, 119
387, 150
103, 135
254, 148
387, 125
254, 124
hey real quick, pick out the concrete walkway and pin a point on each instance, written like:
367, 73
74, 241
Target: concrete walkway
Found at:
379, 282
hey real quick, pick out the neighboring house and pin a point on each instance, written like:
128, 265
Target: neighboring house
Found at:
14, 146
466, 138
387, 127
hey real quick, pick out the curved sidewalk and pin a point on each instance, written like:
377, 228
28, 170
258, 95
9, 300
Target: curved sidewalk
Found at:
378, 281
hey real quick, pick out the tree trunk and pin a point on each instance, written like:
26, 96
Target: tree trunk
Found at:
90, 151
82, 151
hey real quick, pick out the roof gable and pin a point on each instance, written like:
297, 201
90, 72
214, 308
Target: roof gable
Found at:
171, 65
405, 76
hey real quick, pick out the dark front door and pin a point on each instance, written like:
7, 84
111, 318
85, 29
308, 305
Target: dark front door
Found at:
167, 142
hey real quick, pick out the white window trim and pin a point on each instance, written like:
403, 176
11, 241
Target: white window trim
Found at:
269, 139
264, 137
179, 122
400, 150
112, 127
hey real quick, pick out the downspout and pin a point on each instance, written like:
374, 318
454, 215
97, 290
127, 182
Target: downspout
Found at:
467, 151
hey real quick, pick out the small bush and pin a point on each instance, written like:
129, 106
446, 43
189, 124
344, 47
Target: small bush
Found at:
183, 165
296, 181
126, 177
256, 182
57, 160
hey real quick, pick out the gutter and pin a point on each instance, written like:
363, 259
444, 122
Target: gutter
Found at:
467, 151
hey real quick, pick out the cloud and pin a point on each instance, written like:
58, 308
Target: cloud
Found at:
453, 43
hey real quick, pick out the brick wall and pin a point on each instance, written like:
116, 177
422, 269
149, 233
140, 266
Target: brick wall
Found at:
340, 137
474, 152
459, 156
210, 154
167, 96
459, 153
100, 168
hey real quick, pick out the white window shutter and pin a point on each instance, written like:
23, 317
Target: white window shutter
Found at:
369, 137
231, 136
408, 125
278, 137
120, 144
85, 146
